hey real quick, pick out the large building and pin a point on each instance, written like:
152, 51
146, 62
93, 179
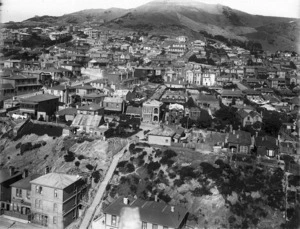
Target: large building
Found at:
55, 199
154, 215
40, 106
151, 111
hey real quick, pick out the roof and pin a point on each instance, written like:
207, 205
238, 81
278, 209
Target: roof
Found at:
163, 131
113, 100
240, 137
67, 111
25, 182
5, 175
85, 86
56, 180
90, 107
94, 95
151, 212
39, 98
134, 110
87, 120
152, 103
6, 86
266, 141
231, 93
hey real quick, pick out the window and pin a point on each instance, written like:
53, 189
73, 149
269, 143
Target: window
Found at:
55, 207
114, 220
167, 140
54, 220
40, 203
154, 226
19, 192
28, 194
55, 193
36, 203
270, 153
39, 189
144, 225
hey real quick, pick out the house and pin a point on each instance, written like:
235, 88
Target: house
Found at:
156, 215
39, 106
91, 109
55, 199
134, 112
162, 135
277, 83
20, 206
249, 118
95, 97
175, 113
151, 111
68, 113
174, 97
64, 92
7, 177
88, 123
84, 89
267, 146
207, 101
113, 105
231, 97
239, 141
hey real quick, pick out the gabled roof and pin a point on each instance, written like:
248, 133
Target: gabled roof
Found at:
240, 137
91, 107
163, 131
87, 120
5, 175
25, 182
56, 180
67, 111
39, 98
151, 212
266, 141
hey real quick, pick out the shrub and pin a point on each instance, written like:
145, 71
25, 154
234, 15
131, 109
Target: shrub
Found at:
140, 162
187, 171
133, 188
138, 150
25, 147
131, 159
113, 191
89, 167
121, 164
130, 168
158, 153
81, 157
131, 148
18, 145
178, 182
153, 166
108, 187
201, 191
164, 197
69, 157
77, 163
96, 176
172, 175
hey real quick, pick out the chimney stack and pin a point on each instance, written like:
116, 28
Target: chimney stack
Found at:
125, 201
172, 208
47, 169
11, 170
156, 198
25, 173
256, 134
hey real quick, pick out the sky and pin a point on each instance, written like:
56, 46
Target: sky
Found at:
19, 10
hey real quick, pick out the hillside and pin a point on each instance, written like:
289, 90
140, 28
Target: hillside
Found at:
187, 18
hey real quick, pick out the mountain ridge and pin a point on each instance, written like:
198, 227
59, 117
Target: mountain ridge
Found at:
178, 17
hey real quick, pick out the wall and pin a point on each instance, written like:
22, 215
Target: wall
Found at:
159, 140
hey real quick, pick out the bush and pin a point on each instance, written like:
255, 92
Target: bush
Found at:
167, 157
186, 172
89, 167
25, 147
108, 187
130, 168
164, 197
77, 163
153, 166
121, 164
172, 175
131, 159
137, 150
96, 176
18, 145
69, 157
131, 148
178, 182
81, 157
140, 162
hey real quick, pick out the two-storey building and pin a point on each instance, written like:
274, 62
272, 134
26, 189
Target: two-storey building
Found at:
55, 199
151, 111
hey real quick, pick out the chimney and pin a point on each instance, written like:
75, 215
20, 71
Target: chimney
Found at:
256, 134
25, 173
237, 136
125, 201
233, 131
172, 208
11, 170
47, 169
156, 198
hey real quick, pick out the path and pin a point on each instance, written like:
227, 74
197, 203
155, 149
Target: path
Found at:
89, 214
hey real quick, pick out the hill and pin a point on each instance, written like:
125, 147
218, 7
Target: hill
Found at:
173, 17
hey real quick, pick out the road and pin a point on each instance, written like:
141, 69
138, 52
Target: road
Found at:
89, 214
9, 223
